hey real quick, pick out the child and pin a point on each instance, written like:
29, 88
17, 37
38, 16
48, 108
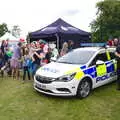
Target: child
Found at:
26, 63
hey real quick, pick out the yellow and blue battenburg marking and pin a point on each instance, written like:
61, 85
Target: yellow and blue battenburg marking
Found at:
91, 71
100, 73
79, 73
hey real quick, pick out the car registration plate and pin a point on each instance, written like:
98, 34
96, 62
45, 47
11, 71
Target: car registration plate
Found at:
41, 86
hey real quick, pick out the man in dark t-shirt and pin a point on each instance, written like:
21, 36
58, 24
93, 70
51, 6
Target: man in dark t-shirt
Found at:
36, 57
36, 61
117, 53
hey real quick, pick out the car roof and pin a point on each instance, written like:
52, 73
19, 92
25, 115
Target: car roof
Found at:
87, 49
95, 48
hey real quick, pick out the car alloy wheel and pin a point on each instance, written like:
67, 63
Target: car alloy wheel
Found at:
84, 88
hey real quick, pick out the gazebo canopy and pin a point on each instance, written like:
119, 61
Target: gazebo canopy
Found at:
62, 31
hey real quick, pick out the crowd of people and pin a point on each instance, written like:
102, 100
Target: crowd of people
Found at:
29, 57
113, 42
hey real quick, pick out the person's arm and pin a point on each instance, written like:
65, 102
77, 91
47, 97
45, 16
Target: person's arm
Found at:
117, 54
33, 59
39, 56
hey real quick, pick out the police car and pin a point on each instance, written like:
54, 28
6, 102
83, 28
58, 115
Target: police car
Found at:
77, 73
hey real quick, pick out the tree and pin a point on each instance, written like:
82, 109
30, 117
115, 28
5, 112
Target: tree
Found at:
16, 31
3, 29
107, 23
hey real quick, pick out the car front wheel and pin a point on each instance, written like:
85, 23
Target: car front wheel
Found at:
84, 88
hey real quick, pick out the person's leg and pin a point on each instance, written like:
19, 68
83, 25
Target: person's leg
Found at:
17, 69
28, 73
34, 70
118, 82
24, 73
17, 74
9, 72
2, 73
118, 77
14, 68
13, 73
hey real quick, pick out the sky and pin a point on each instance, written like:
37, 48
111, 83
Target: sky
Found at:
32, 15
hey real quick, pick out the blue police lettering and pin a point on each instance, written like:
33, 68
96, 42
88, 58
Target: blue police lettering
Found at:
49, 70
112, 74
101, 78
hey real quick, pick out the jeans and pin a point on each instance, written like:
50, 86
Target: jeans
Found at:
26, 70
34, 68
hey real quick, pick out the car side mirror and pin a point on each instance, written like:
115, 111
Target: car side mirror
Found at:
99, 62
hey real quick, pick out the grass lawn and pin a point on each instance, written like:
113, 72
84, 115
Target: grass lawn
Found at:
19, 101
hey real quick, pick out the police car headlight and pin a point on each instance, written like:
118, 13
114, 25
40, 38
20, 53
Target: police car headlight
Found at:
66, 78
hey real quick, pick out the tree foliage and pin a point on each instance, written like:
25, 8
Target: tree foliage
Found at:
107, 23
3, 29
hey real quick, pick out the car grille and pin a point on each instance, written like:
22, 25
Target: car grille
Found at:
42, 79
49, 91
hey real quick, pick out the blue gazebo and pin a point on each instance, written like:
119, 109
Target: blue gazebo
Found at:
60, 31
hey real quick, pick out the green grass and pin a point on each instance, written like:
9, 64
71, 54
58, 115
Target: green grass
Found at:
19, 101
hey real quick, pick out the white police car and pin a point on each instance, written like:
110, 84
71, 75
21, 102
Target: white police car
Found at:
77, 72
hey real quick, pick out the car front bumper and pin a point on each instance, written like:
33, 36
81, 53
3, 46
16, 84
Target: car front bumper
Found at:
57, 88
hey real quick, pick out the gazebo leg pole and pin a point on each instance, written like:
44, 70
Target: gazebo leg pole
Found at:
57, 41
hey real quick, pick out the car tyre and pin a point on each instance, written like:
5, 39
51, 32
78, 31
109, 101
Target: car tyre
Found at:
84, 88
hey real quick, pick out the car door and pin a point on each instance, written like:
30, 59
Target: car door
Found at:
100, 63
112, 67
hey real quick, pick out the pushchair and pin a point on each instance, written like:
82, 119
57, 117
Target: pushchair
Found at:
6, 69
5, 66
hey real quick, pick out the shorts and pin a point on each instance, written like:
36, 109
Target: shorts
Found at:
14, 63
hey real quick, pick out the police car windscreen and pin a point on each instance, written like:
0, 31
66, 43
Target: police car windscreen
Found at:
76, 57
